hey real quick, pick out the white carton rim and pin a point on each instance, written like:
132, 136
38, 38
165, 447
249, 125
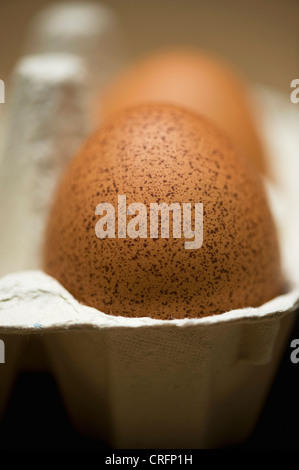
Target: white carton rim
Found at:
32, 301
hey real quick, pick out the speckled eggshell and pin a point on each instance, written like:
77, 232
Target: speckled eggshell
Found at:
195, 80
162, 153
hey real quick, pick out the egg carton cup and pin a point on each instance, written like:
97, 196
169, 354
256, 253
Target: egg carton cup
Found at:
90, 30
145, 383
133, 382
10, 360
71, 50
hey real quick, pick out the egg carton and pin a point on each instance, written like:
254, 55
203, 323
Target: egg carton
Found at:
132, 382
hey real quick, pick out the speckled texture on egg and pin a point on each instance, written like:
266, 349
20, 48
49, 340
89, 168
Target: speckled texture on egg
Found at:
197, 81
161, 153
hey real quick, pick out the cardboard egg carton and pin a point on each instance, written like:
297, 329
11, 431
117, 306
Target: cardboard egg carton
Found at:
133, 382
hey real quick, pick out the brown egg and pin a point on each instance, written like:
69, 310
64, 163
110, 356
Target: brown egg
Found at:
162, 154
196, 81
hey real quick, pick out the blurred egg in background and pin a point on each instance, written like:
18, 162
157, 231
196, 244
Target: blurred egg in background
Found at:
194, 80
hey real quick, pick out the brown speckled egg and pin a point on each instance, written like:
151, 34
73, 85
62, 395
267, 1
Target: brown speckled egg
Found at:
196, 81
163, 154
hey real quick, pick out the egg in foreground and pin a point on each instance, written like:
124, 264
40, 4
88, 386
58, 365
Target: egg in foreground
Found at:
155, 154
197, 81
